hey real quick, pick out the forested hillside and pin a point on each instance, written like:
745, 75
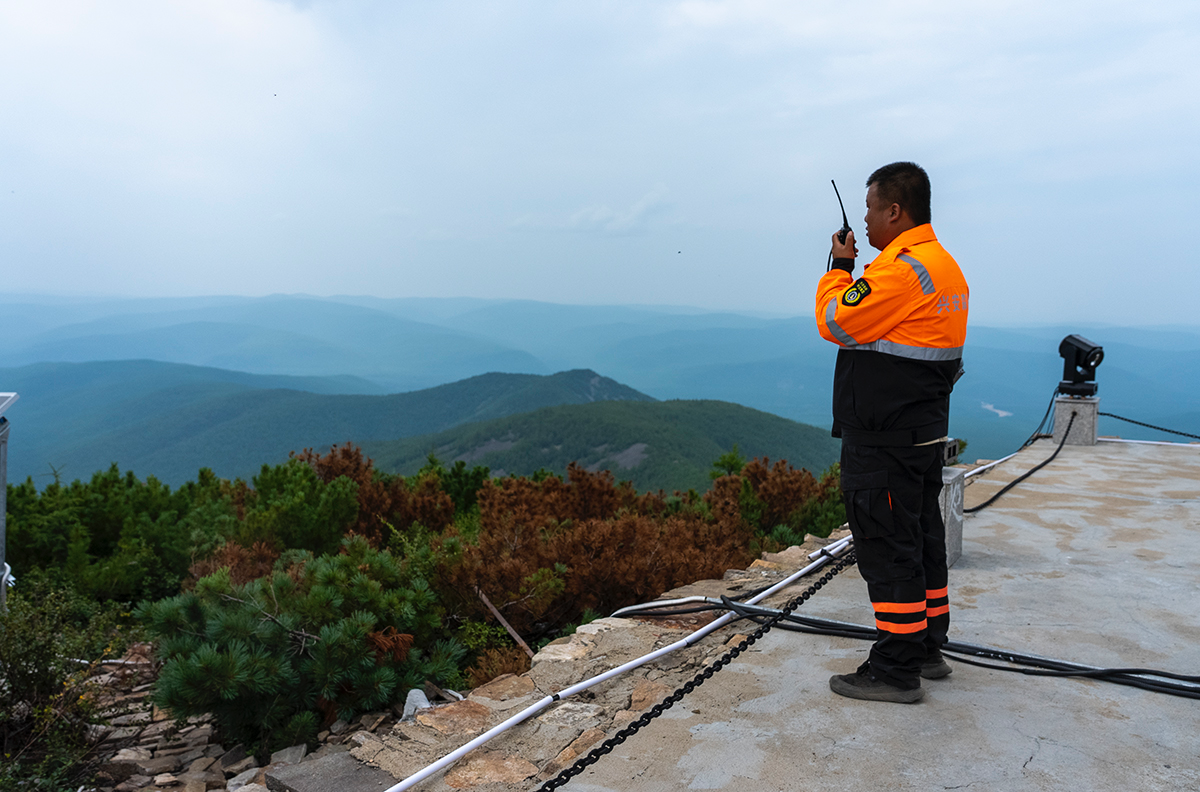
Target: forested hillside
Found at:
655, 445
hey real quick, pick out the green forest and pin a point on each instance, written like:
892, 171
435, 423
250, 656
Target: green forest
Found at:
325, 587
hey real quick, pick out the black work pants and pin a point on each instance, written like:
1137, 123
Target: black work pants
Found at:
891, 497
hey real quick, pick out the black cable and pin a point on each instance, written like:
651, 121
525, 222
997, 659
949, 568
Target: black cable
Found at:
1025, 475
1132, 677
1042, 424
1149, 426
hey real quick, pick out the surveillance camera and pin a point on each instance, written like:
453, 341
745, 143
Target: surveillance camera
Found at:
1080, 359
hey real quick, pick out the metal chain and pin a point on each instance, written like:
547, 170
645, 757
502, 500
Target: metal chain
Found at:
1148, 426
608, 745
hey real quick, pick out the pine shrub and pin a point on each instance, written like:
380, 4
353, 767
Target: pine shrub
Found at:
322, 637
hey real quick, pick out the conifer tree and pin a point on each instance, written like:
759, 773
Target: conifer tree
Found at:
322, 637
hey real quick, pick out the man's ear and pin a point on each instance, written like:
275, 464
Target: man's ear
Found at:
894, 213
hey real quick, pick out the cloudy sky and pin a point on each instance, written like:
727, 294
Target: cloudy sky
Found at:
599, 152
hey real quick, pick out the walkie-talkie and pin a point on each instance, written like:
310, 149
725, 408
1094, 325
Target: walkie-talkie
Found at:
845, 223
841, 235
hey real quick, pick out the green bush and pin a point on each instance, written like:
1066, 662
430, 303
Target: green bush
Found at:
323, 637
43, 716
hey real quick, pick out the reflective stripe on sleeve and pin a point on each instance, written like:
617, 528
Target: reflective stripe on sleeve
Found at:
838, 333
920, 271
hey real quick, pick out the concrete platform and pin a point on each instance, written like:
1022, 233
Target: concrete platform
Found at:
1093, 560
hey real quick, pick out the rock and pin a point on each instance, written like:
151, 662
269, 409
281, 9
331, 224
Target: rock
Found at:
563, 652
198, 735
118, 771
416, 700
340, 772
415, 732
365, 746
461, 717
156, 730
489, 768
647, 694
241, 780
121, 733
97, 733
201, 764
164, 764
503, 688
765, 566
291, 755
165, 779
576, 749
402, 758
623, 718
200, 782
133, 783
241, 766
794, 557
339, 726
132, 719
252, 788
573, 713
231, 757
598, 626
132, 755
371, 720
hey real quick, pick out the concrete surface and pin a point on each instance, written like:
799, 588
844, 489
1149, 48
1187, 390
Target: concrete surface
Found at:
1092, 560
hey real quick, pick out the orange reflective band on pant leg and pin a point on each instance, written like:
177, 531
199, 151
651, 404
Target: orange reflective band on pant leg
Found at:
938, 611
935, 593
898, 607
892, 627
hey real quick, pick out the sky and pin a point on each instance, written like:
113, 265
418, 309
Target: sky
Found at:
603, 152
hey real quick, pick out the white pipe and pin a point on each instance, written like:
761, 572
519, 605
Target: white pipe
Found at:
534, 709
989, 465
1143, 442
7, 579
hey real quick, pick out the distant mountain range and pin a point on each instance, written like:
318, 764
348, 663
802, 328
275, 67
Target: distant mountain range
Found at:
656, 445
170, 420
256, 365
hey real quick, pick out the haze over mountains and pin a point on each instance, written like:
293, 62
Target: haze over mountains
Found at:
252, 375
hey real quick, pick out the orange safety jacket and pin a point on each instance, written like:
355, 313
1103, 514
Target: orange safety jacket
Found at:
901, 328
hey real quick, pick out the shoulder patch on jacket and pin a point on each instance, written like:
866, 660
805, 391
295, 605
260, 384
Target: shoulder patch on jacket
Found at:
856, 293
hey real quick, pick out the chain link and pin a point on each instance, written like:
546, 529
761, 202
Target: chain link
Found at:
608, 745
1148, 426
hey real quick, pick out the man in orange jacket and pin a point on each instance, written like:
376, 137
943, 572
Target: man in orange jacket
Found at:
901, 328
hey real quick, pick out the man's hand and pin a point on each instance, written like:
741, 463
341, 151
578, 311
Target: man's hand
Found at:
845, 249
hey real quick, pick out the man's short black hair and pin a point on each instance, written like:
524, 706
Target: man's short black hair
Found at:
904, 183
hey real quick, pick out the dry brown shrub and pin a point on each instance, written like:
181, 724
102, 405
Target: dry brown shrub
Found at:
389, 643
382, 500
781, 488
617, 548
244, 564
497, 662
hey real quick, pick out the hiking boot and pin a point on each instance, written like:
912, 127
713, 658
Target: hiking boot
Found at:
935, 667
862, 684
